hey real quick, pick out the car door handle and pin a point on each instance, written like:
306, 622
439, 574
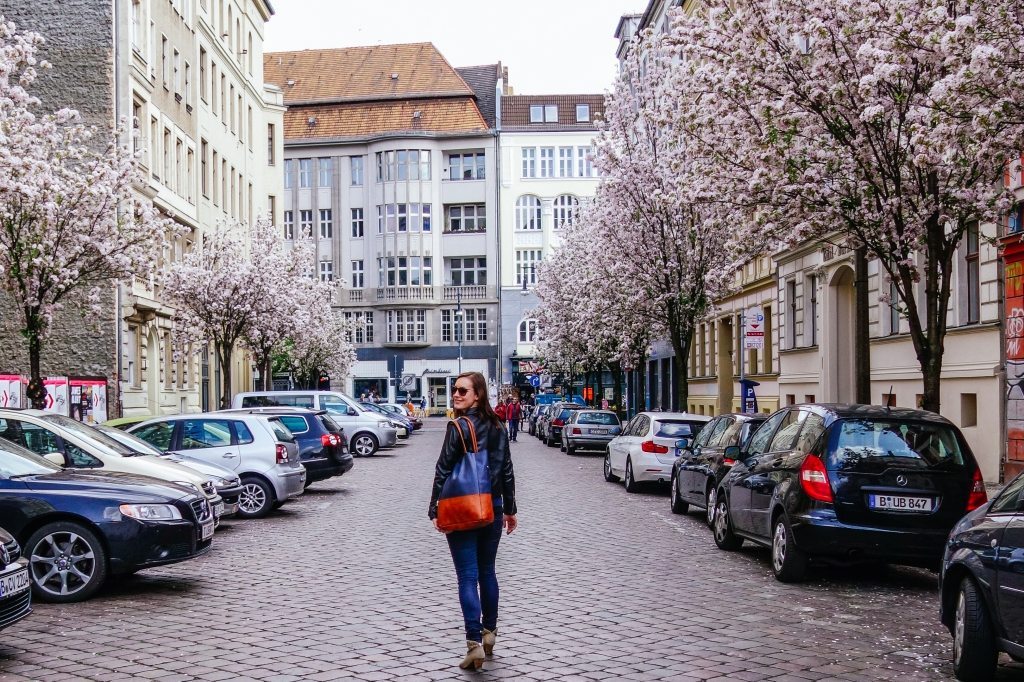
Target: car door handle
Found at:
777, 464
228, 455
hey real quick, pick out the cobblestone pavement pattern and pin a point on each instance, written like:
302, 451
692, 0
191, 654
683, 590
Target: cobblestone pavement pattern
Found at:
350, 581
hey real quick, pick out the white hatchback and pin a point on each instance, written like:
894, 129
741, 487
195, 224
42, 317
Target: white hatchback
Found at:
648, 446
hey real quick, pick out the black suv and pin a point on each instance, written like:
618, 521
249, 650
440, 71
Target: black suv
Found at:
323, 448
15, 585
702, 465
848, 483
554, 422
982, 584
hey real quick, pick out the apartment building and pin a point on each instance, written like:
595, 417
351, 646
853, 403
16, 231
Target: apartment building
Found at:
391, 162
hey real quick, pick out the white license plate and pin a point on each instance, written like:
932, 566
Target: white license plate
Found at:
14, 583
901, 503
600, 432
207, 530
218, 510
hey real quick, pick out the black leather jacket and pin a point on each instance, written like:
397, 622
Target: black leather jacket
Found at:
495, 440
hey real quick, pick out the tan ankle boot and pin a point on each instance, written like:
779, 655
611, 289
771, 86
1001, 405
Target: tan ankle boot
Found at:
489, 637
474, 656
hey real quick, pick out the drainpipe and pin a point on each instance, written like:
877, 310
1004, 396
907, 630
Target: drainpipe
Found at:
119, 289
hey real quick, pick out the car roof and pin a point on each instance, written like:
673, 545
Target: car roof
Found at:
273, 410
597, 411
854, 411
685, 416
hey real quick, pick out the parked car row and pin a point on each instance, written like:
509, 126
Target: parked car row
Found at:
829, 484
81, 503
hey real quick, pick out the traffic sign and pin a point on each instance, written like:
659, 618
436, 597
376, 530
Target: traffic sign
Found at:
535, 380
753, 328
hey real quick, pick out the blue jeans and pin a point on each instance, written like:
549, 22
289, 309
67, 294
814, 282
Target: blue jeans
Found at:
513, 429
473, 552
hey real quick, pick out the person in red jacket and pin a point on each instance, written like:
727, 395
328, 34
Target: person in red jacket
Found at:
501, 411
514, 414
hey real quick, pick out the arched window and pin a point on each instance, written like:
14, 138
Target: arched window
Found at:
528, 212
527, 331
566, 206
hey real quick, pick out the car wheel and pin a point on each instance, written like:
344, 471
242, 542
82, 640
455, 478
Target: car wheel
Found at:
631, 485
974, 650
725, 538
570, 450
256, 499
67, 562
549, 441
364, 445
789, 563
678, 506
608, 475
710, 498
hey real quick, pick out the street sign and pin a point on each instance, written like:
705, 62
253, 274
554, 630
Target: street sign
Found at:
408, 382
535, 380
753, 329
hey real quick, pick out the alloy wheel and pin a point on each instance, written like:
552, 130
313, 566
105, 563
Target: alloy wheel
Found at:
363, 445
711, 501
721, 522
779, 543
959, 627
252, 499
63, 563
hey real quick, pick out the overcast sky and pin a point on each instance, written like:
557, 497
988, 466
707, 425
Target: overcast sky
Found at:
549, 46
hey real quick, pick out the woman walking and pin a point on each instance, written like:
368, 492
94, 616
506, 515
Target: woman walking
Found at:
474, 551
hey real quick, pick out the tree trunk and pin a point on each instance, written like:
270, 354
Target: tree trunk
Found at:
616, 369
224, 357
36, 392
681, 340
266, 371
641, 387
862, 329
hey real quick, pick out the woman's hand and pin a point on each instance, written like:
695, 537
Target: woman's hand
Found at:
510, 523
436, 527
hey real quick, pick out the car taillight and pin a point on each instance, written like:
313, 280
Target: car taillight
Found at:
330, 440
814, 479
558, 422
651, 446
978, 496
576, 431
282, 453
728, 462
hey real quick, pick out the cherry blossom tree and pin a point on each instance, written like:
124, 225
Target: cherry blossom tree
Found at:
884, 125
69, 223
323, 343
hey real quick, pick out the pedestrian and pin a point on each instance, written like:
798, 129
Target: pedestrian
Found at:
474, 551
409, 407
514, 413
501, 411
423, 405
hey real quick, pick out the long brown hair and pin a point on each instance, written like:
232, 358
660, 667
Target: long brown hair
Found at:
483, 402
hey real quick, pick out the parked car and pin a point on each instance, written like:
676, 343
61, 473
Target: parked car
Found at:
590, 430
395, 408
648, 446
982, 584
848, 482
259, 449
226, 482
125, 423
700, 468
402, 423
367, 431
536, 419
80, 527
15, 585
555, 422
75, 445
323, 448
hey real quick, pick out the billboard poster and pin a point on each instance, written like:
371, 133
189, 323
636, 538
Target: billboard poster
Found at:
88, 401
12, 394
56, 395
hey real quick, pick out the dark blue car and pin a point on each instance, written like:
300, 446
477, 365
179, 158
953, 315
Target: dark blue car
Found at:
15, 586
79, 527
982, 584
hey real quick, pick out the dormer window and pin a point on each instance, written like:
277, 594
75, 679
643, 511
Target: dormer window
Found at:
550, 113
582, 113
543, 113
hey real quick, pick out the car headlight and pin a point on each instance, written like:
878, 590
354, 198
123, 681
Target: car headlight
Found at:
150, 512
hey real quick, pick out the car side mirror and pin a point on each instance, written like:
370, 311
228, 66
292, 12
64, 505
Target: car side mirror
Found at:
56, 457
683, 443
732, 452
353, 412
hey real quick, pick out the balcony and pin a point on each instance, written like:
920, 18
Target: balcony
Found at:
417, 295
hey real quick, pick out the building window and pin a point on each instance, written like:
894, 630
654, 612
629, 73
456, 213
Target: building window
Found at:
550, 113
536, 113
165, 62
526, 266
585, 162
404, 218
476, 324
791, 314
470, 326
973, 275
404, 271
137, 25
466, 218
305, 224
357, 222
406, 326
527, 331
326, 224
547, 162
894, 308
289, 224
270, 144
204, 153
168, 150
177, 74
272, 208
188, 85
305, 173
529, 155
582, 113
565, 209
446, 325
213, 87
249, 127
811, 319
466, 166
203, 86
289, 173
528, 212
326, 271
465, 272
566, 161
357, 274
362, 327
403, 164
356, 166
326, 166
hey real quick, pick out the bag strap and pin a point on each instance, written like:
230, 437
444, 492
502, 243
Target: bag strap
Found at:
472, 434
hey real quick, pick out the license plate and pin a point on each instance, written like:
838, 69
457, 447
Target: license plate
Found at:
679, 452
14, 583
901, 503
207, 530
600, 432
218, 510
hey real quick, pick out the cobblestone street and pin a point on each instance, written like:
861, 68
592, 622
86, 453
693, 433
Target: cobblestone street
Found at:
350, 581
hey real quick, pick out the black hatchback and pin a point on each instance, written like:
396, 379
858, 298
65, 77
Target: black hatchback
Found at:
702, 465
848, 483
15, 584
982, 584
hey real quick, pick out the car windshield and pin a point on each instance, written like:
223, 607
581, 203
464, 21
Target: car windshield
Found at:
17, 461
874, 445
677, 429
128, 440
603, 418
100, 440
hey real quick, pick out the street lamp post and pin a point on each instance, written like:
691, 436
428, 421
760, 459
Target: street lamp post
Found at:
458, 323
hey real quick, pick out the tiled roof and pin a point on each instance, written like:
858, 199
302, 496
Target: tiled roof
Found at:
515, 112
484, 81
353, 74
369, 119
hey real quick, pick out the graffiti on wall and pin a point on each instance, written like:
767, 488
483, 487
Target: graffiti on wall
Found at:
1014, 312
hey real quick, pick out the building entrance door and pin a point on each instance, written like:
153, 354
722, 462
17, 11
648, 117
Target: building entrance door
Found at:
842, 363
437, 390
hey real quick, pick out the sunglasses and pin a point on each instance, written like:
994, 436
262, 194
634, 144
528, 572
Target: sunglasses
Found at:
461, 390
